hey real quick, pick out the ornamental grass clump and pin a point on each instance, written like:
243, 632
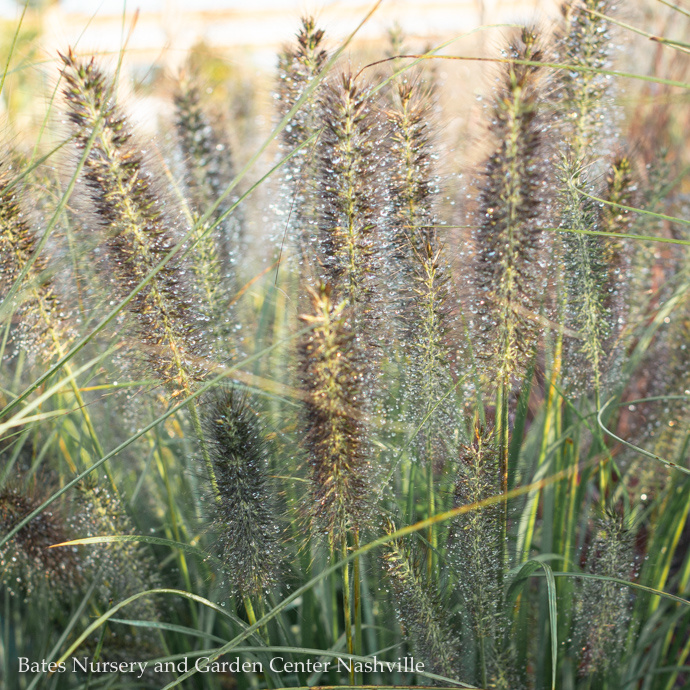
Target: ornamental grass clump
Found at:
419, 418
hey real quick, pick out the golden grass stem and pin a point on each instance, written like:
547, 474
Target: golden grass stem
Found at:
347, 615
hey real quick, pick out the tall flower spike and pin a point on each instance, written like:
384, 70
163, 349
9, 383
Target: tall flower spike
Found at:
585, 43
243, 512
208, 171
617, 252
587, 313
477, 550
508, 238
597, 277
39, 311
419, 614
334, 420
416, 248
346, 185
208, 158
127, 208
422, 284
582, 102
605, 615
297, 66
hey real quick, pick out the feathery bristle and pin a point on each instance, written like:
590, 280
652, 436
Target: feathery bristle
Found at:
508, 239
419, 614
243, 511
334, 420
128, 209
39, 312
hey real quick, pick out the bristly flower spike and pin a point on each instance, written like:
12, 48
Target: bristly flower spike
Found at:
334, 416
477, 552
416, 247
606, 606
584, 42
125, 567
418, 611
581, 101
209, 169
127, 207
424, 274
347, 187
508, 240
620, 191
243, 517
335, 407
297, 66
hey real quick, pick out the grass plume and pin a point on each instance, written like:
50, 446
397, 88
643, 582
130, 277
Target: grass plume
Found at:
209, 169
297, 66
606, 607
334, 418
420, 616
477, 551
346, 184
127, 209
507, 241
27, 562
244, 520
